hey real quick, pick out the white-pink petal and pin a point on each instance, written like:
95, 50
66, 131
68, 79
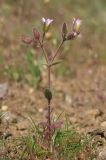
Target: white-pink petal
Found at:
43, 20
78, 22
47, 21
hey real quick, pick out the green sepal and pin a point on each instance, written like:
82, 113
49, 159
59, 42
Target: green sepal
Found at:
48, 94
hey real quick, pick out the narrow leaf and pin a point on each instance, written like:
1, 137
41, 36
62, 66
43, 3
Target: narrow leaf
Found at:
57, 62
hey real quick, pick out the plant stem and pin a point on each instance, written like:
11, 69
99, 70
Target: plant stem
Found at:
49, 77
49, 64
49, 108
43, 37
49, 124
57, 51
45, 55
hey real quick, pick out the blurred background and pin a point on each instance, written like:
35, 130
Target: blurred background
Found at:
18, 17
80, 81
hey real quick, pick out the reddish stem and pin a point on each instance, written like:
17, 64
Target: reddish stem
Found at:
49, 108
49, 77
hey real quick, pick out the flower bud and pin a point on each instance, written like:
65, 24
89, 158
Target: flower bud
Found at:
48, 94
36, 34
71, 36
64, 31
76, 25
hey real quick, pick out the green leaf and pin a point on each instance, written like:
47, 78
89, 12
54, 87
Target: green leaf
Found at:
57, 62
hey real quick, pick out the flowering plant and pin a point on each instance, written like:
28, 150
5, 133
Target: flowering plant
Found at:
38, 39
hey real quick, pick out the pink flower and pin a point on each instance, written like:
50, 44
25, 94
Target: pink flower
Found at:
47, 21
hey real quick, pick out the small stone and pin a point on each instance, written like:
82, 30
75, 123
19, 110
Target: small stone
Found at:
97, 132
4, 108
40, 110
31, 90
102, 154
22, 125
82, 156
94, 113
73, 120
103, 125
68, 99
3, 89
7, 135
105, 134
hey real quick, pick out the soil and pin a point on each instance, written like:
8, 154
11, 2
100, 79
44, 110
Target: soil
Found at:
81, 100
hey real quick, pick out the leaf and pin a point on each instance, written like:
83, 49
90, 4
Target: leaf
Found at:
57, 62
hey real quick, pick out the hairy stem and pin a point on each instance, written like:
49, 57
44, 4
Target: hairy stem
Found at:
49, 108
49, 124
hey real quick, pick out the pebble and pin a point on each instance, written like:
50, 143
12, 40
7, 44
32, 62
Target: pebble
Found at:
31, 90
23, 125
73, 120
103, 125
105, 134
4, 108
68, 99
3, 89
8, 134
102, 154
41, 110
94, 113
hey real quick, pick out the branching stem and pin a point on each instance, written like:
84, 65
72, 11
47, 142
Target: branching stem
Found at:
57, 51
44, 52
49, 65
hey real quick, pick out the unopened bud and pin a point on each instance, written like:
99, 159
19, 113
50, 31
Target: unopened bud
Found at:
76, 25
36, 34
64, 31
64, 28
71, 36
48, 94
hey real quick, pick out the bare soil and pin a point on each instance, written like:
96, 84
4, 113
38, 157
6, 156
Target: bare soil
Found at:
82, 100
